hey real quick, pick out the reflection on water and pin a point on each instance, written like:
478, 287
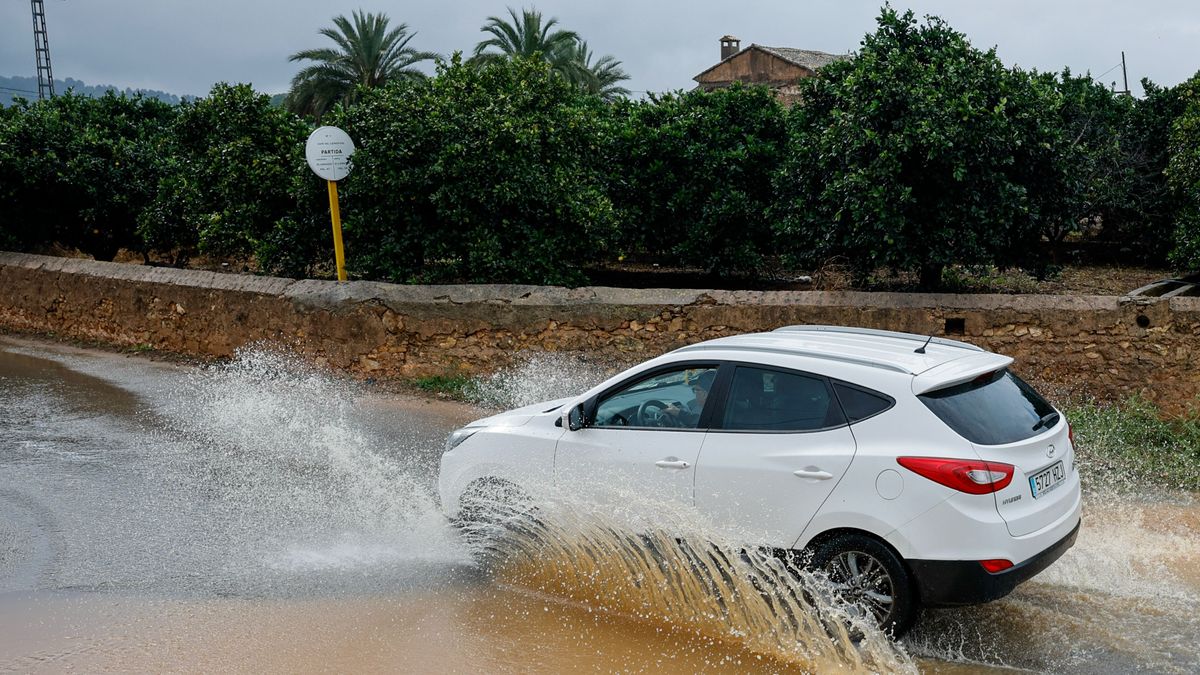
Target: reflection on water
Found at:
465, 629
262, 516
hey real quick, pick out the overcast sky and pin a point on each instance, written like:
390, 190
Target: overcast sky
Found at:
184, 46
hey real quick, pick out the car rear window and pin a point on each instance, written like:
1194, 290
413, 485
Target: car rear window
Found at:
992, 409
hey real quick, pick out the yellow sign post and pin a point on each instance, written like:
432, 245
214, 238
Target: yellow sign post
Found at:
328, 153
339, 255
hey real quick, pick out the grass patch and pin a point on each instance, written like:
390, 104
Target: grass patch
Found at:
457, 387
987, 279
1127, 445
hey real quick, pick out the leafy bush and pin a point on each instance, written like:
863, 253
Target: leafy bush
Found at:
301, 243
691, 176
1084, 179
916, 154
921, 153
1144, 223
1183, 172
227, 175
78, 171
485, 173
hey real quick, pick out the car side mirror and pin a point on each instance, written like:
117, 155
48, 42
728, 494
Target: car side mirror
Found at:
575, 418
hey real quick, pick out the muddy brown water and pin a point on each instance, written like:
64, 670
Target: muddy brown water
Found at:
262, 517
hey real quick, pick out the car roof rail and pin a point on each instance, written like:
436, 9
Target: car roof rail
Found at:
793, 351
875, 332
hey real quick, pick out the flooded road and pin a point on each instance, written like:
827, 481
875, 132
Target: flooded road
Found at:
259, 516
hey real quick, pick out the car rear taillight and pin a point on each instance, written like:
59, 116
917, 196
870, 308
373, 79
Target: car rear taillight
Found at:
997, 565
970, 476
1070, 434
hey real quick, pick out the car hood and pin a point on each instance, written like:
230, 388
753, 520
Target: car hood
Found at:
522, 415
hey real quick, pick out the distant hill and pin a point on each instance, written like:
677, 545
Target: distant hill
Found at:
26, 87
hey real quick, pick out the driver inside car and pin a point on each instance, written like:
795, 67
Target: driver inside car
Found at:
688, 415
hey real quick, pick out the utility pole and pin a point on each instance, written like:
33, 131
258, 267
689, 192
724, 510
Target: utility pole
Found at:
41, 49
1124, 75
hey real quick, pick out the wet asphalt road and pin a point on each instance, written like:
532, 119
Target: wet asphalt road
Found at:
260, 515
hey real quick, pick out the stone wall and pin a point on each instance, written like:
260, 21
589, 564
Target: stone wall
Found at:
1109, 347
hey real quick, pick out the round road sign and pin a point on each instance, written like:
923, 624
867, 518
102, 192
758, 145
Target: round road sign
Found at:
328, 153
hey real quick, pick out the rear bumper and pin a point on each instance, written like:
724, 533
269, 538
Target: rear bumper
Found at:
949, 583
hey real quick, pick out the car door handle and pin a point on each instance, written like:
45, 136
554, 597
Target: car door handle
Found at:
671, 464
813, 473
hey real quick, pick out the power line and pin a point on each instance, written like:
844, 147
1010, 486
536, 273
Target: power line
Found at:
1107, 71
19, 91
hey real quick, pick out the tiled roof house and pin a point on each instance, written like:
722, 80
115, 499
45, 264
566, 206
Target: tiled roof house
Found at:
780, 68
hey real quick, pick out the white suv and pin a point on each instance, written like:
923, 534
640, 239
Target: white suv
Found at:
913, 470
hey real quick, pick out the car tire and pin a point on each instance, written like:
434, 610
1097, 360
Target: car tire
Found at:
491, 508
867, 574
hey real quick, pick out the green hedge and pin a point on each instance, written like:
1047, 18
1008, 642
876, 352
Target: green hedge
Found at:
1184, 175
478, 174
920, 152
690, 174
225, 178
78, 171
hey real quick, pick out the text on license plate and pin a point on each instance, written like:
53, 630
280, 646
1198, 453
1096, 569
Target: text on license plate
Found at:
1047, 479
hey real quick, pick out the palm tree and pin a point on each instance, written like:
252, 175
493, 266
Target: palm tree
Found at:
601, 77
529, 37
368, 54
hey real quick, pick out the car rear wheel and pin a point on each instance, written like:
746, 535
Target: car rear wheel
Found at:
868, 576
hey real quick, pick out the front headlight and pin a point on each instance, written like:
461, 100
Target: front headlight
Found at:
456, 438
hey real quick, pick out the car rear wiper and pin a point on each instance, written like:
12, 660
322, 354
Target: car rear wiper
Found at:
1048, 420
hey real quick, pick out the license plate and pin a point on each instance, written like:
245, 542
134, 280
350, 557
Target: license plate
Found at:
1047, 479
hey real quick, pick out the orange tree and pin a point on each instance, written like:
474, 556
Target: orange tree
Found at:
919, 152
1143, 221
483, 173
1183, 172
225, 176
691, 177
78, 170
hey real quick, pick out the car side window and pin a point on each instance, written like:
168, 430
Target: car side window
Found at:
773, 400
859, 403
673, 399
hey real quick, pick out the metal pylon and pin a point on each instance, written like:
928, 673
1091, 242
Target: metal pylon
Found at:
41, 48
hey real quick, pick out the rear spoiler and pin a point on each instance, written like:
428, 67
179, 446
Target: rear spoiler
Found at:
959, 371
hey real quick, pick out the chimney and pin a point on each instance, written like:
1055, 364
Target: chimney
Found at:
730, 46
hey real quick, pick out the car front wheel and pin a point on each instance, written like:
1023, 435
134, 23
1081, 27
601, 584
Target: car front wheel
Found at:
868, 576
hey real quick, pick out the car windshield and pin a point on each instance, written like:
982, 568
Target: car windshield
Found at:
993, 409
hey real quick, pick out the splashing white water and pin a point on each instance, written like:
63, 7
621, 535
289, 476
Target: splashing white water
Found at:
1127, 592
540, 376
269, 442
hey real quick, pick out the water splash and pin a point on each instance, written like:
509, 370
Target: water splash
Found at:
664, 568
271, 448
1126, 596
540, 376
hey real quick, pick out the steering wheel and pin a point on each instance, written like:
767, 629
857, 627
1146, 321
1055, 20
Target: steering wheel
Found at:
651, 414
